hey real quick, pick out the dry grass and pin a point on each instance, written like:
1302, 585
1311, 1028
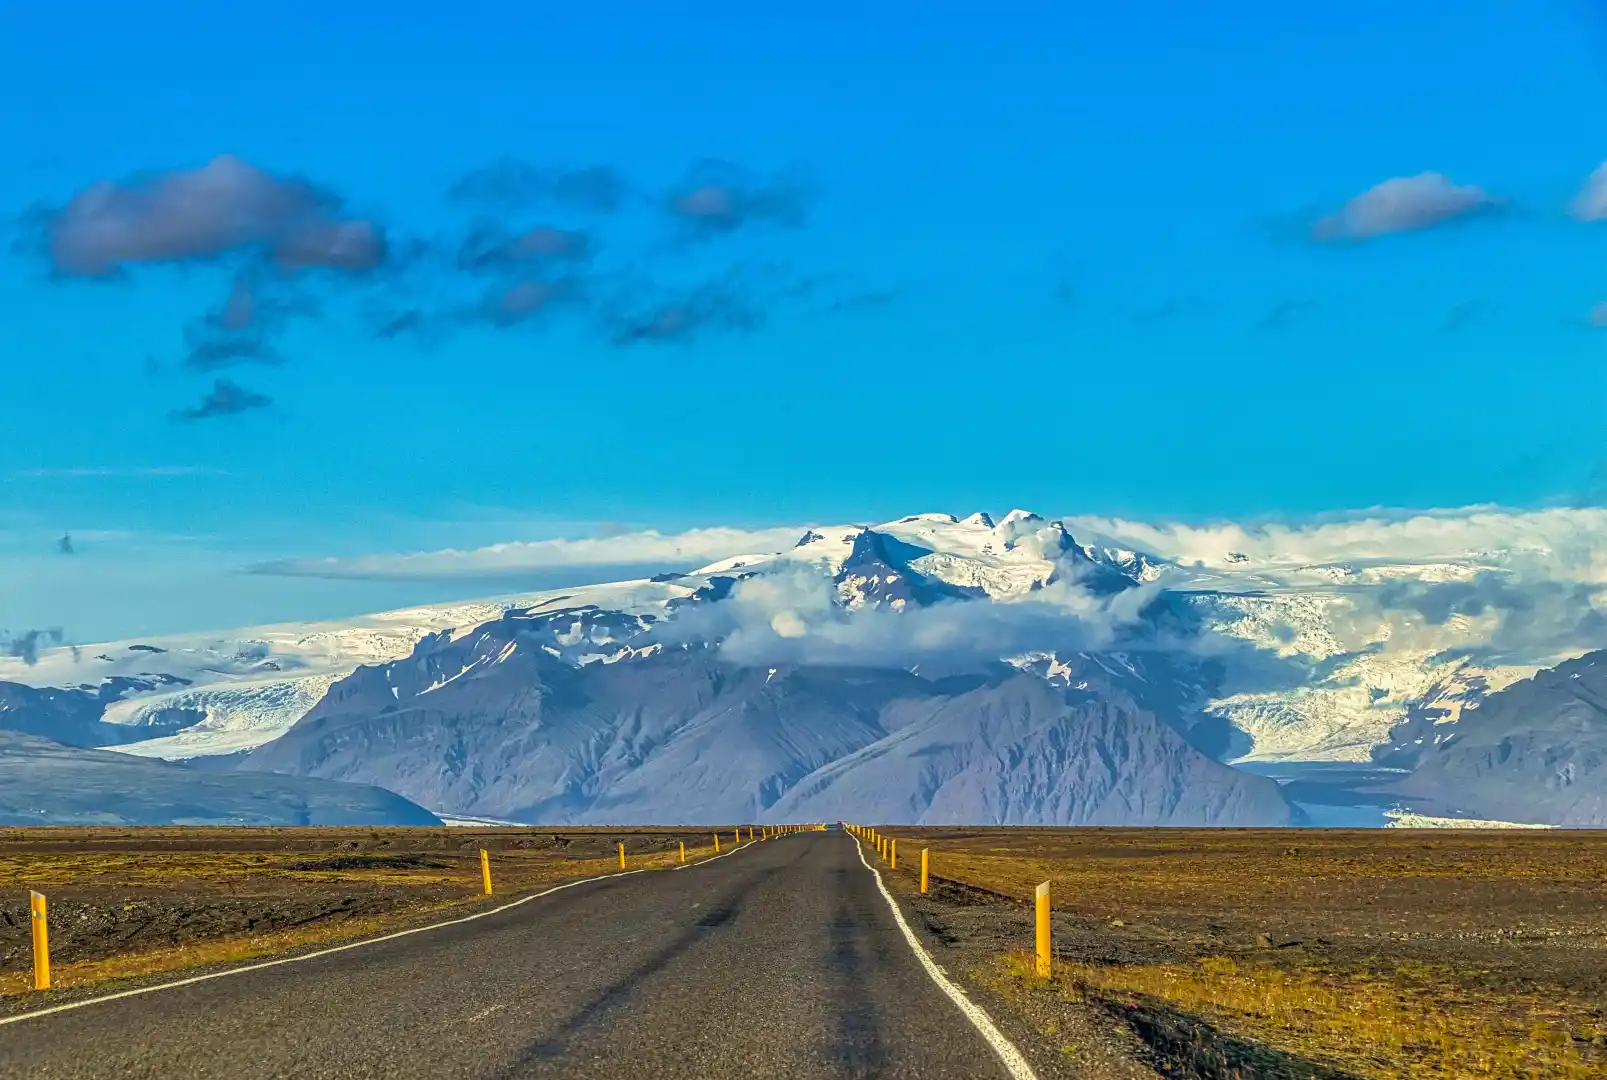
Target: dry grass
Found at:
222, 950
1368, 1027
1385, 954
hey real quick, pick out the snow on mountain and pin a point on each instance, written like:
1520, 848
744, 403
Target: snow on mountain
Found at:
236, 689
1369, 669
1332, 660
485, 726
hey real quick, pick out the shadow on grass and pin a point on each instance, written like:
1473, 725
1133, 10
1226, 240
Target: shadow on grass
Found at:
1183, 1045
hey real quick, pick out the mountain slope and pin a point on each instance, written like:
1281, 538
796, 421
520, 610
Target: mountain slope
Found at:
1023, 752
492, 724
1285, 655
46, 783
1533, 752
1349, 679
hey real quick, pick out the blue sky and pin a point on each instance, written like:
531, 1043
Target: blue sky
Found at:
1056, 256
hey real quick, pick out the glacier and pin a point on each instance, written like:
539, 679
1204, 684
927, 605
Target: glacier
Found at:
1247, 658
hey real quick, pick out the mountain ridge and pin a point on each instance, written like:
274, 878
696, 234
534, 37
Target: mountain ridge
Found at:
1250, 659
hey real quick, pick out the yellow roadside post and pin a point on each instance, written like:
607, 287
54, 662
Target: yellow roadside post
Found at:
683, 850
736, 836
716, 843
926, 866
1042, 900
485, 870
41, 941
892, 854
622, 854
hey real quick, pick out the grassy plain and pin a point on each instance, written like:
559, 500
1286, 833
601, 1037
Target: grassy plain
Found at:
134, 902
1376, 954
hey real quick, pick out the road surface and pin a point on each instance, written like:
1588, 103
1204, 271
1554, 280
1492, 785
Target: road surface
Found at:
781, 960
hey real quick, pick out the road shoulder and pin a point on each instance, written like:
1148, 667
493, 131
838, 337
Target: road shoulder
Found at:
970, 933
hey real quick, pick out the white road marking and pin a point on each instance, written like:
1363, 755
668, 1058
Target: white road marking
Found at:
19, 1017
1014, 1063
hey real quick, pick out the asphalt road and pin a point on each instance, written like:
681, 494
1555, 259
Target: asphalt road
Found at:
781, 960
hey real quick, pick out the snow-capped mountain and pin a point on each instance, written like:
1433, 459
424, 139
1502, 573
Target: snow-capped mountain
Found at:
1254, 658
503, 724
193, 696
1535, 751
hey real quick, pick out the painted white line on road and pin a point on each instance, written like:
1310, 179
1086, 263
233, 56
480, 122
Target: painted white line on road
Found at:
342, 948
1014, 1063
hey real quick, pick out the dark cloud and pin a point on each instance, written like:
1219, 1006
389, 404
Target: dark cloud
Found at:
1169, 308
1467, 313
426, 326
222, 353
348, 246
510, 302
717, 197
806, 286
1403, 204
874, 300
252, 306
511, 184
239, 330
390, 323
64, 546
226, 206
239, 311
25, 646
1283, 313
727, 305
491, 247
521, 301
240, 327
224, 399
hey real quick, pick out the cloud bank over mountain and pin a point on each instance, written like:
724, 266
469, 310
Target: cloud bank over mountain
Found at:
1565, 543
647, 548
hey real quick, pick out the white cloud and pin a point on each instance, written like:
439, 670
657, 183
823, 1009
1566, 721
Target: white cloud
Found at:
1517, 587
647, 549
1401, 204
1591, 202
791, 615
1563, 544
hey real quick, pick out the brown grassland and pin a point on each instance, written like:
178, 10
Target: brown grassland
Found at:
1340, 954
130, 903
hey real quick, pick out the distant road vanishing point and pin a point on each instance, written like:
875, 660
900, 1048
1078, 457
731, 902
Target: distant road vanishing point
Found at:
783, 959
